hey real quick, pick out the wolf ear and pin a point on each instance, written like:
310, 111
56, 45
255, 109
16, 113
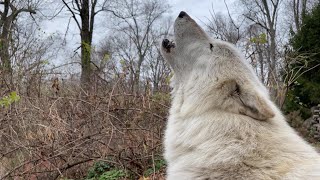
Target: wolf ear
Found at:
250, 103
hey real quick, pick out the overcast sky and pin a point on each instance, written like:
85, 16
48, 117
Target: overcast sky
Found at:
198, 9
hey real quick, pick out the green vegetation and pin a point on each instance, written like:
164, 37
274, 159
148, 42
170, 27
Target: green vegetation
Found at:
103, 171
158, 165
261, 39
8, 100
305, 92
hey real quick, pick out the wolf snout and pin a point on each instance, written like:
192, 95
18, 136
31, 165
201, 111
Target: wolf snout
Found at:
167, 45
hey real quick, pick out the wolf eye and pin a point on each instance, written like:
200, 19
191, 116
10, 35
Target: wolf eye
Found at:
211, 46
237, 91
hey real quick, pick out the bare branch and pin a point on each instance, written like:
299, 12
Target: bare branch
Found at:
72, 13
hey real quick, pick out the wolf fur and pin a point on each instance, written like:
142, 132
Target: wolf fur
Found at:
222, 123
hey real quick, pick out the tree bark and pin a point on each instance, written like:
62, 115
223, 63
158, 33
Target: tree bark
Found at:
137, 74
296, 13
4, 48
8, 16
260, 56
86, 40
87, 11
271, 16
272, 66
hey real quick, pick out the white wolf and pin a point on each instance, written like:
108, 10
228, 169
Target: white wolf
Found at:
222, 123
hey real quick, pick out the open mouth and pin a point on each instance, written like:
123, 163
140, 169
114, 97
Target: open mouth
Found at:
168, 45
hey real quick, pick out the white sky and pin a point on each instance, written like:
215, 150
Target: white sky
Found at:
198, 9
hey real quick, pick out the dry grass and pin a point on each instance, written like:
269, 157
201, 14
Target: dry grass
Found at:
53, 137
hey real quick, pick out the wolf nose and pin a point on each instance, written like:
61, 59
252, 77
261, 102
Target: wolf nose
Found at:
165, 43
182, 14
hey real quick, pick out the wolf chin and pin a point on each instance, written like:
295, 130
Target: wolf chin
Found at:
222, 123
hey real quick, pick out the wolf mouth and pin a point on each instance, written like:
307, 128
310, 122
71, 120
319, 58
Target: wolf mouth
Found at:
167, 45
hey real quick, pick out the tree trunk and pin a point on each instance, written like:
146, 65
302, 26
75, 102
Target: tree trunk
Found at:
272, 68
9, 14
6, 67
303, 9
296, 13
86, 40
260, 56
137, 75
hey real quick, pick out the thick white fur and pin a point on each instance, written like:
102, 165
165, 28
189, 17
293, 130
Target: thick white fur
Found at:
210, 133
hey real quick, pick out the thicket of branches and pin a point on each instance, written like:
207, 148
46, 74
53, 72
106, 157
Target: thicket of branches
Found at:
58, 122
50, 138
63, 109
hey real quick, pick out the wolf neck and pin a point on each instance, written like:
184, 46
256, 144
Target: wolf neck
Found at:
186, 103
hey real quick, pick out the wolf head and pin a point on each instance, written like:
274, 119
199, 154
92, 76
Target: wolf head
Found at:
211, 75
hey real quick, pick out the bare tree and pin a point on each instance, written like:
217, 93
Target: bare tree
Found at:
255, 46
158, 70
84, 13
298, 6
224, 27
135, 19
265, 13
297, 10
31, 57
8, 15
250, 37
126, 55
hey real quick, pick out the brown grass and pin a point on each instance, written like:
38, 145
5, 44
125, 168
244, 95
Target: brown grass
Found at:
53, 137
